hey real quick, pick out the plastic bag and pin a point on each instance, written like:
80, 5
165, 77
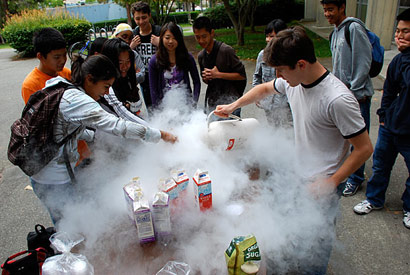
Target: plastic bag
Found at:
174, 268
67, 262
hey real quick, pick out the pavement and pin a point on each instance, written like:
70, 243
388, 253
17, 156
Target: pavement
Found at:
377, 243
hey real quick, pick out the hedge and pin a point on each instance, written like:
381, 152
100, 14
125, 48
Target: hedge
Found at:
264, 13
19, 29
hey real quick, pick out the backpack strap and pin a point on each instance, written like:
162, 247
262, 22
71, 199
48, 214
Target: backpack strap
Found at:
347, 32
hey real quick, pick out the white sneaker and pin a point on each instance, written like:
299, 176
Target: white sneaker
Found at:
365, 207
406, 219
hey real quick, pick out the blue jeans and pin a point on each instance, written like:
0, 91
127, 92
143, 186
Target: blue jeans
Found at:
387, 148
54, 197
358, 177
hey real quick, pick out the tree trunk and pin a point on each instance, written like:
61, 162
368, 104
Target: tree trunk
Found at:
129, 19
244, 8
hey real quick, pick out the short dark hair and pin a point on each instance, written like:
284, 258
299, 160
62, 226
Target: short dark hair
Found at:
47, 40
404, 15
288, 47
140, 6
338, 3
97, 45
202, 22
275, 25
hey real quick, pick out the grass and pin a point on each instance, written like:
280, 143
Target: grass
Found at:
255, 41
5, 46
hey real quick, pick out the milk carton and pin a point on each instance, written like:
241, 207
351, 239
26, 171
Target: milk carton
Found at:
132, 190
143, 220
170, 187
161, 217
203, 189
181, 179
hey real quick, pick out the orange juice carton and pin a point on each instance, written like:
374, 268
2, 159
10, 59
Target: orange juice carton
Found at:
132, 190
161, 216
181, 179
143, 220
203, 189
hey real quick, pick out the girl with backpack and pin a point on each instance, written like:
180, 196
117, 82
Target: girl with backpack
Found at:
78, 110
172, 65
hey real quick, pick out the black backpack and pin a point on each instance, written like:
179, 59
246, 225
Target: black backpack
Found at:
377, 49
32, 145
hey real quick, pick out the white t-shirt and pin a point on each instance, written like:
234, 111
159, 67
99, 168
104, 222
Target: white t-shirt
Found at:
325, 115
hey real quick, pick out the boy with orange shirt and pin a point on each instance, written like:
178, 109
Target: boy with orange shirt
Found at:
50, 49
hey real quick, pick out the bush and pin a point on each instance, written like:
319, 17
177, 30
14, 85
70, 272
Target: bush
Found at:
182, 17
219, 17
19, 29
109, 24
265, 12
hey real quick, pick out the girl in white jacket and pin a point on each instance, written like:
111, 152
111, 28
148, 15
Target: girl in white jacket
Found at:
79, 109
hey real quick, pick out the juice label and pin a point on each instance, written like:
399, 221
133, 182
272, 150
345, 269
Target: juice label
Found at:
143, 221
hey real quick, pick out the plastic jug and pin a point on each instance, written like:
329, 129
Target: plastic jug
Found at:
230, 134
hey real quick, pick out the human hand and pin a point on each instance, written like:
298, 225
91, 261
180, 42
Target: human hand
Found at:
155, 40
168, 137
224, 110
210, 74
135, 42
322, 187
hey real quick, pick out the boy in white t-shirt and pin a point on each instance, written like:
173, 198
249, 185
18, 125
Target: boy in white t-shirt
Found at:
325, 113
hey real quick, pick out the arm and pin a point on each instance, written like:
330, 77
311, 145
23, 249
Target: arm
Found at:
80, 109
363, 149
361, 57
120, 109
255, 94
139, 65
391, 88
257, 75
214, 73
153, 81
195, 79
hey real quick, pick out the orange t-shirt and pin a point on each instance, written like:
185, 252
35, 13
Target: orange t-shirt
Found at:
36, 80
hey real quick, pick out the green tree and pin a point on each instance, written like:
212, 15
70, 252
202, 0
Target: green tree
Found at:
244, 9
127, 4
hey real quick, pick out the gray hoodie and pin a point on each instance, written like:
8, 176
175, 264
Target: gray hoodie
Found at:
352, 64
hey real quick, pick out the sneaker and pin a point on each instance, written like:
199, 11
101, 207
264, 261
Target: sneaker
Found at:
350, 189
406, 219
365, 207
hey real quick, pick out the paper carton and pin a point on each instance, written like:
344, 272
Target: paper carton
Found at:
132, 190
143, 220
203, 189
161, 217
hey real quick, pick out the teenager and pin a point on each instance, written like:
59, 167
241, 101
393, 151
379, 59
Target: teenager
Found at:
276, 107
394, 128
351, 64
124, 32
326, 118
78, 110
172, 65
145, 42
125, 87
220, 67
50, 48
